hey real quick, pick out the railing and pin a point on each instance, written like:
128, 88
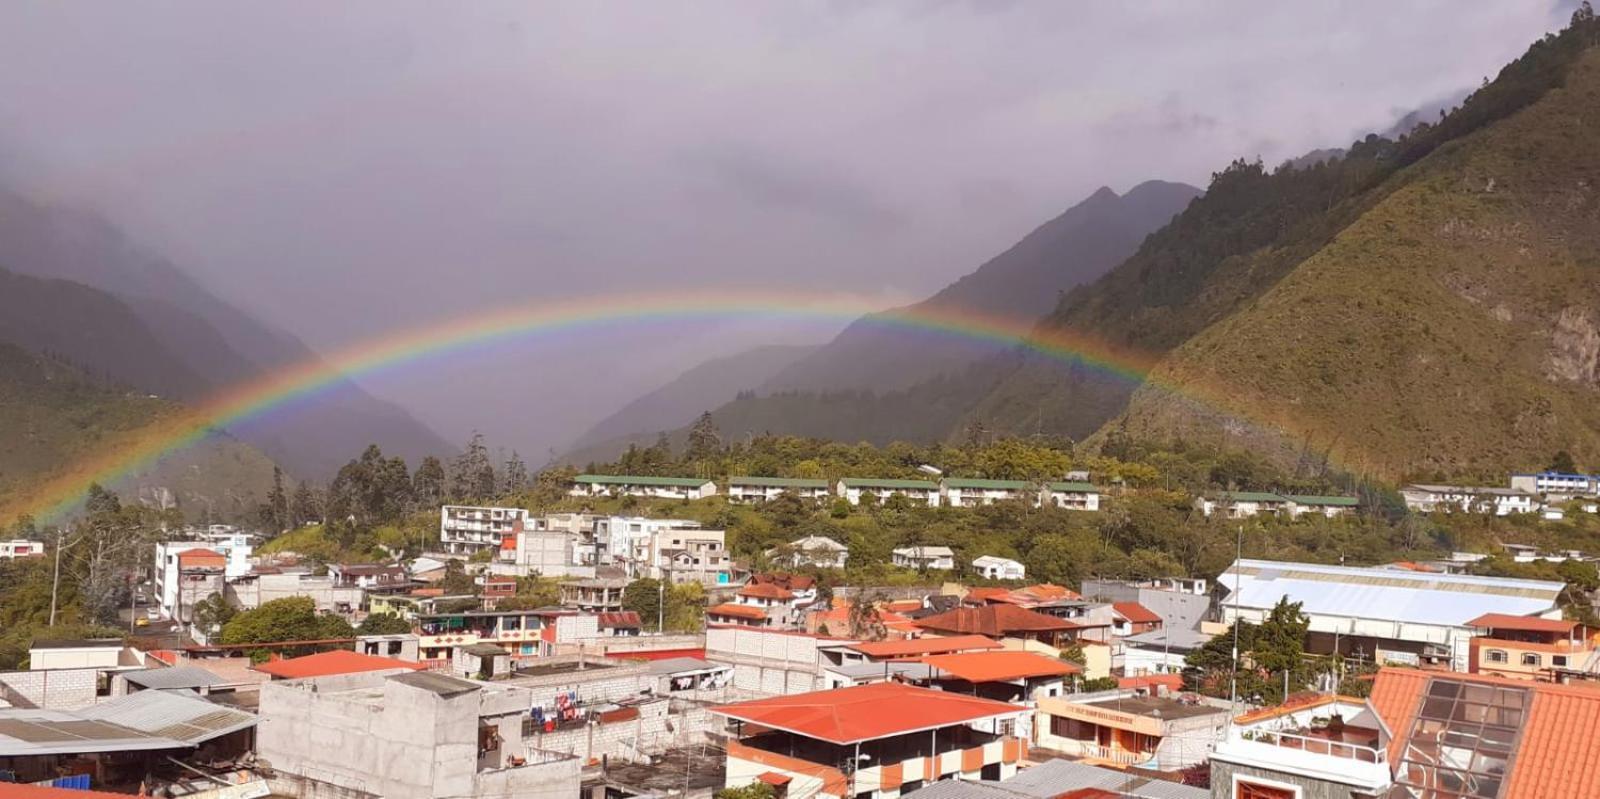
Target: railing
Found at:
1314, 745
1106, 753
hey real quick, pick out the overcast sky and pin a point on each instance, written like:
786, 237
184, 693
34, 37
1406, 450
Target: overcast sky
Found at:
346, 168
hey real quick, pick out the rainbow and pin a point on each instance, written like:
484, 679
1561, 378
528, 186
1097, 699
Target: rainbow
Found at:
56, 497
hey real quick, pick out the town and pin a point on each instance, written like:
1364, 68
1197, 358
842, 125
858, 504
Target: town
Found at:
433, 676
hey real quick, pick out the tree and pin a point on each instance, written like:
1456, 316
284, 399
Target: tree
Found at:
755, 790
427, 484
705, 441
213, 613
472, 473
1562, 462
516, 476
383, 624
289, 619
456, 580
866, 620
643, 596
275, 513
304, 508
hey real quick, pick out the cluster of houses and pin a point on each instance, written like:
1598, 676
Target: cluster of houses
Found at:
1548, 493
1075, 493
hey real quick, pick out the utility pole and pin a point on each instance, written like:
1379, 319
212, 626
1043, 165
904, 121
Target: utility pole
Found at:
55, 580
661, 605
1238, 580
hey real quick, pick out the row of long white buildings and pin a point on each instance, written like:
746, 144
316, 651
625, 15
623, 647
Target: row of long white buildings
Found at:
951, 491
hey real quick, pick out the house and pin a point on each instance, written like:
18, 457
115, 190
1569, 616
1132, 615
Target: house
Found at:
332, 662
769, 661
21, 548
997, 568
1383, 615
686, 555
1328, 506
840, 744
1420, 734
918, 491
1132, 728
962, 492
761, 489
466, 529
813, 550
836, 620
522, 633
1072, 495
200, 574
1002, 675
620, 623
610, 485
1561, 484
1138, 619
547, 549
740, 614
368, 575
680, 675
234, 552
923, 558
1059, 778
1427, 498
1159, 651
1180, 602
1533, 648
1001, 622
413, 735
602, 592
1242, 504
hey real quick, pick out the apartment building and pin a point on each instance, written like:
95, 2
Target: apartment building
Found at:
963, 492
922, 492
1072, 495
608, 485
1132, 728
1534, 648
762, 489
466, 529
924, 558
813, 550
1428, 498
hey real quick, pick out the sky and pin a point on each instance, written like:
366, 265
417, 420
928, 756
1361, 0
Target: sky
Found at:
347, 169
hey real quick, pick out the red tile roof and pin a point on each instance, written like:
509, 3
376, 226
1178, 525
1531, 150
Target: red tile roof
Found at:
766, 591
1506, 621
1136, 613
610, 620
337, 661
994, 621
1150, 682
928, 645
736, 611
861, 713
976, 595
774, 778
1000, 666
202, 558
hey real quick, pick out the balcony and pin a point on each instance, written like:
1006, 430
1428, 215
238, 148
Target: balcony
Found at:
1318, 756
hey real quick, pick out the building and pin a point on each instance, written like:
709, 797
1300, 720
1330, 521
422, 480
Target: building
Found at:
1383, 615
1072, 495
200, 574
265, 584
768, 662
1426, 498
466, 529
852, 489
549, 548
686, 555
813, 550
997, 568
602, 592
1160, 651
1242, 504
332, 662
608, 485
761, 489
235, 551
1181, 603
1002, 622
414, 735
963, 492
924, 558
1138, 619
1065, 779
522, 633
840, 744
1556, 483
368, 575
1328, 506
1131, 728
1312, 745
740, 615
1533, 648
1020, 678
21, 548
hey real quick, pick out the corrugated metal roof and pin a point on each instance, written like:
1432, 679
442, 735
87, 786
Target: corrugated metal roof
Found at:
178, 716
175, 677
997, 485
25, 732
884, 482
1057, 777
683, 664
778, 482
639, 480
1385, 594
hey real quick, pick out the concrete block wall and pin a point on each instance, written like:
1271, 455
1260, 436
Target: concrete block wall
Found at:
661, 725
51, 689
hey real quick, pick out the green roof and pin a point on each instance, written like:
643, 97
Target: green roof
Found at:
1249, 496
1313, 499
640, 480
780, 482
873, 482
1087, 488
998, 485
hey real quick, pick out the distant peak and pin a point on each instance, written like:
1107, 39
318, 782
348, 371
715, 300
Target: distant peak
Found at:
1104, 193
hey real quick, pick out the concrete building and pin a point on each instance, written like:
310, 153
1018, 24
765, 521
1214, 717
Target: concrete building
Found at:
813, 550
1561, 484
266, 584
1132, 729
546, 553
602, 592
1383, 615
368, 575
1427, 498
466, 529
962, 492
521, 633
762, 489
771, 662
1072, 495
235, 550
196, 575
924, 558
840, 744
997, 568
921, 492
1161, 651
1318, 505
1242, 504
411, 735
1182, 603
1532, 648
1058, 778
608, 485
21, 548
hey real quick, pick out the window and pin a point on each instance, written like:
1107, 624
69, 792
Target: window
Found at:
1494, 656
1530, 658
1462, 738
1255, 790
1558, 661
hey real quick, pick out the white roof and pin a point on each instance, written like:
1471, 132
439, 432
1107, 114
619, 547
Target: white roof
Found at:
1479, 490
818, 542
926, 552
1377, 593
993, 560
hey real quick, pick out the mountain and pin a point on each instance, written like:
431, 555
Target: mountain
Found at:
216, 343
54, 413
1017, 286
699, 389
1421, 306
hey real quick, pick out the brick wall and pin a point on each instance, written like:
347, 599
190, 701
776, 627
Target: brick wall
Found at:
52, 689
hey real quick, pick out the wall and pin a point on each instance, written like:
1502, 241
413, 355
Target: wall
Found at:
662, 724
1223, 774
53, 689
766, 663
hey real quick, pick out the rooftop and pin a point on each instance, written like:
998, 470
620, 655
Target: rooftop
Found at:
640, 480
853, 715
877, 482
766, 591
925, 552
174, 677
177, 715
1073, 486
78, 643
1386, 594
737, 611
681, 665
1136, 613
1002, 666
1503, 621
927, 645
991, 485
778, 482
994, 621
1161, 707
1057, 778
336, 661
441, 684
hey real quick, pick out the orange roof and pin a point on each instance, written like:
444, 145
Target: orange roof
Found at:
839, 614
793, 582
1000, 666
985, 594
852, 715
1506, 621
737, 611
509, 542
19, 791
905, 605
774, 778
202, 557
1556, 755
1295, 703
766, 591
1045, 592
1136, 613
915, 647
1150, 682
994, 621
336, 661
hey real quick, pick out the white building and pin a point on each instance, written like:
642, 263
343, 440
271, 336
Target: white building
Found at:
1559, 483
1426, 498
465, 529
1389, 615
813, 550
964, 492
549, 553
920, 491
1329, 506
169, 588
1072, 495
608, 485
761, 489
20, 548
617, 538
1242, 504
925, 557
994, 568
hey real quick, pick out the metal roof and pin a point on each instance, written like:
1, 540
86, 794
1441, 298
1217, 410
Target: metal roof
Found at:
1176, 638
885, 482
683, 665
996, 485
25, 732
1376, 593
778, 482
177, 716
899, 668
441, 684
174, 677
1056, 777
640, 480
